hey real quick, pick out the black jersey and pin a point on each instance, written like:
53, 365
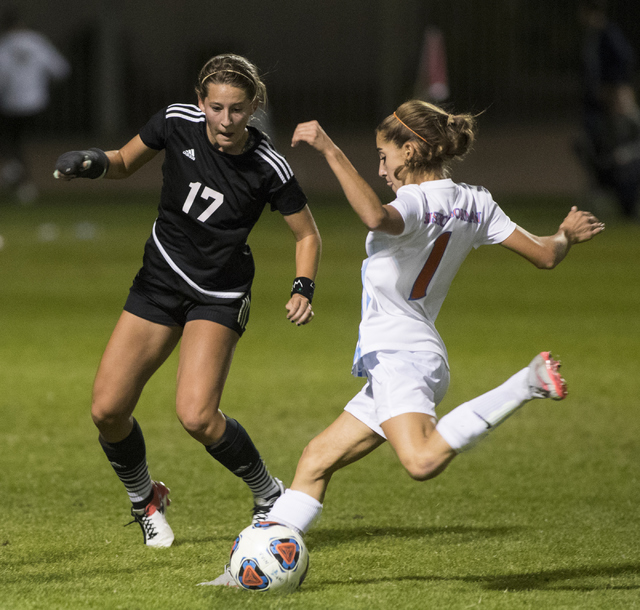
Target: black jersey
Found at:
209, 203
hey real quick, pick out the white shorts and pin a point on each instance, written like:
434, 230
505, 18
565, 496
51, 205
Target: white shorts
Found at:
399, 382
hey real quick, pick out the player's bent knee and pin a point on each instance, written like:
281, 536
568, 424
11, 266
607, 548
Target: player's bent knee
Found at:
194, 424
112, 406
199, 421
423, 468
105, 416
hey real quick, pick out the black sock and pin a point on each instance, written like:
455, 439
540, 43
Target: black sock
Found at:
236, 452
128, 458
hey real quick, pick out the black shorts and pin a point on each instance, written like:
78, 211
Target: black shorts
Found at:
156, 302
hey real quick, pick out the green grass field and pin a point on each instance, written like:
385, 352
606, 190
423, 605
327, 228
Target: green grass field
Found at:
543, 514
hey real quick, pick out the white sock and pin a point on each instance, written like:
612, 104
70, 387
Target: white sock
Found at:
295, 509
471, 421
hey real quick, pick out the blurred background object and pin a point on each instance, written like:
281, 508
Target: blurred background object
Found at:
432, 79
344, 63
609, 145
29, 63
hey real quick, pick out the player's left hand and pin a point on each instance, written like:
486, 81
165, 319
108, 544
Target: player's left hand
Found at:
580, 226
299, 310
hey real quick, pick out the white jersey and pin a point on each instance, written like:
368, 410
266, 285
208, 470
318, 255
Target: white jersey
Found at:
406, 277
28, 62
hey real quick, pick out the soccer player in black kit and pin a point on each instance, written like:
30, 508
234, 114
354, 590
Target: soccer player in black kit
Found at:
195, 282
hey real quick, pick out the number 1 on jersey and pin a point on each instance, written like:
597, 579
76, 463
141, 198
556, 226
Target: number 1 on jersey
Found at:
207, 193
425, 276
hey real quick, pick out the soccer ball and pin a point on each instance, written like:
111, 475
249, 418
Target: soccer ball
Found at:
269, 556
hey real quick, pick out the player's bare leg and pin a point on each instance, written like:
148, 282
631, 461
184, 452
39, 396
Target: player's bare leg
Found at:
420, 448
425, 449
344, 442
135, 351
206, 353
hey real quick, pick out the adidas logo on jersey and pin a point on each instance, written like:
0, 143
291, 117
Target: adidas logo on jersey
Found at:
190, 153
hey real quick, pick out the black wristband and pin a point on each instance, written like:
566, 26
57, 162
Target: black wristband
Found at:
303, 286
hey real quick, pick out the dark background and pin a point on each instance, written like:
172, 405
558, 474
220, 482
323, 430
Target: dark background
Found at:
344, 61
347, 63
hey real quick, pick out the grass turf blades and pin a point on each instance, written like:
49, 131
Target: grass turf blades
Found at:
543, 514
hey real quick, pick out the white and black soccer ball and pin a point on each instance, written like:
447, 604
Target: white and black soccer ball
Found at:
269, 556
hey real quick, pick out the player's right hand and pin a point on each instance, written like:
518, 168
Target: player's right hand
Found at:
312, 134
92, 163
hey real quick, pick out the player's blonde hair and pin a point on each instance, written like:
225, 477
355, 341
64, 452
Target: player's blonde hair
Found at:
234, 70
438, 136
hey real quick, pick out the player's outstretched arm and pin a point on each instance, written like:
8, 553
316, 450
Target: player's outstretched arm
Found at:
361, 196
548, 251
96, 163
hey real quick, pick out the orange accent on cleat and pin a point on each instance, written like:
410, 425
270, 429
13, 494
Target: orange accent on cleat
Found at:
545, 379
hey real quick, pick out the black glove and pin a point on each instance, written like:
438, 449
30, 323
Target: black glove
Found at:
92, 163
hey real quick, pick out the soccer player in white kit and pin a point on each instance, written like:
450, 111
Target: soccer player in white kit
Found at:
415, 247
